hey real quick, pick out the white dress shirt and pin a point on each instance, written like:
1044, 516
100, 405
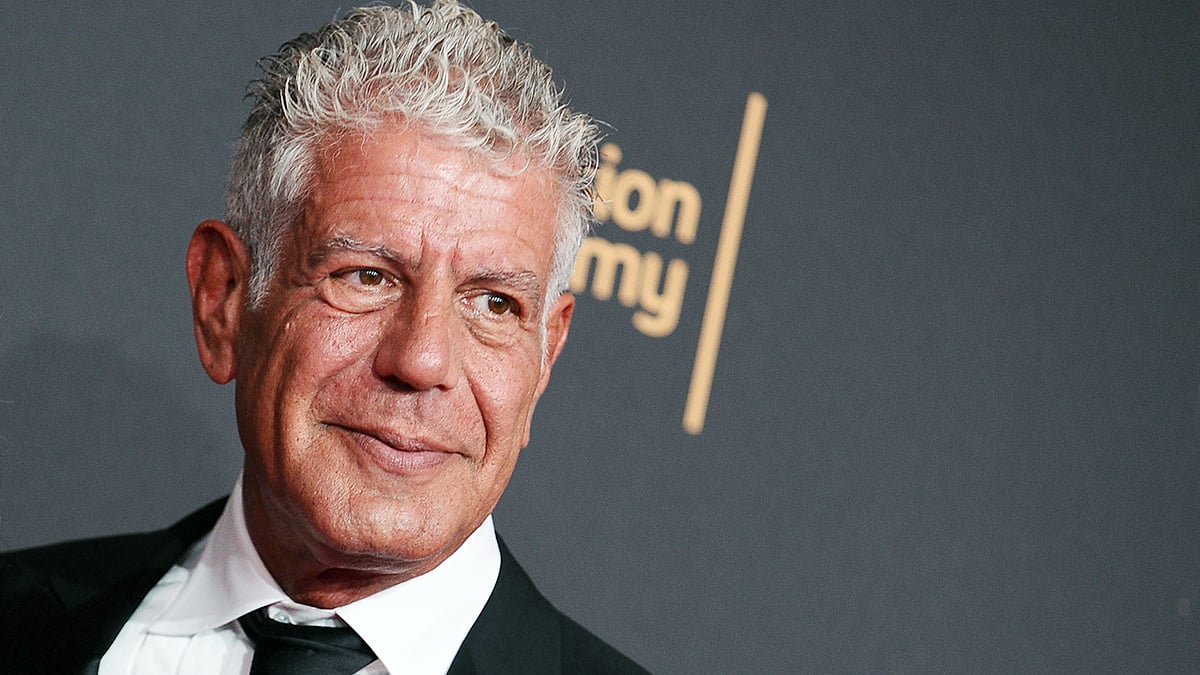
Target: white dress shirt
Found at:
187, 624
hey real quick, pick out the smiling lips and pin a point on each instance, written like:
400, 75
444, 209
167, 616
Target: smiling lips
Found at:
397, 454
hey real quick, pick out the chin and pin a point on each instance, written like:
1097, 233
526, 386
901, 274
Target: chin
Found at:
384, 536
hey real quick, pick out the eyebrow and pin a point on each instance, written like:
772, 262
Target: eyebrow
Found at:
524, 282
341, 242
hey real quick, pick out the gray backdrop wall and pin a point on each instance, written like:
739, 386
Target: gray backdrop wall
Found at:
953, 415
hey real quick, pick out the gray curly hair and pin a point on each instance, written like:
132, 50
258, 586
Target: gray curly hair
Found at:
443, 68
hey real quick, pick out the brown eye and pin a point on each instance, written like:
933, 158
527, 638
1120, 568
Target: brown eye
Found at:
499, 304
360, 289
370, 277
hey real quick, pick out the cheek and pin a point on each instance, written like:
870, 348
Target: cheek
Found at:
505, 397
328, 346
309, 353
343, 338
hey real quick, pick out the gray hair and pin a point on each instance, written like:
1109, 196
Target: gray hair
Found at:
443, 68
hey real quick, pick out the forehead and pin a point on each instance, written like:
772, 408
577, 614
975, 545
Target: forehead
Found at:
399, 178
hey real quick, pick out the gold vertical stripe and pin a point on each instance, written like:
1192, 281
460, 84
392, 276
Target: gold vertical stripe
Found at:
722, 276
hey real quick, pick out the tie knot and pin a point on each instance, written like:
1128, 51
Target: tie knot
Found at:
287, 649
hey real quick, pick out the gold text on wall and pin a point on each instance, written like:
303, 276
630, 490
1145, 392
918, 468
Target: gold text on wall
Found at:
653, 287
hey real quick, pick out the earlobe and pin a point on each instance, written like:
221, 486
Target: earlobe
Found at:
217, 268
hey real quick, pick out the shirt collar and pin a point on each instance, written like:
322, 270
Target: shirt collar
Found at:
225, 581
418, 626
414, 626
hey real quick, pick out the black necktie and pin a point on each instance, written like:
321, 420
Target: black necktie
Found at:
286, 649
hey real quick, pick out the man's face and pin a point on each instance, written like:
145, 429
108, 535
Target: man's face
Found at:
386, 385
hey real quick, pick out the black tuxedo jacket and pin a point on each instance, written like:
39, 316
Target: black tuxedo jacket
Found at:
61, 606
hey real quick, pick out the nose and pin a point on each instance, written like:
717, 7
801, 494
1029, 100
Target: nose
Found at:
416, 348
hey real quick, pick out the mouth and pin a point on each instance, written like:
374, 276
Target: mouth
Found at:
395, 453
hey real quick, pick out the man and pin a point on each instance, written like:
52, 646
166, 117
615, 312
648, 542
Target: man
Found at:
389, 294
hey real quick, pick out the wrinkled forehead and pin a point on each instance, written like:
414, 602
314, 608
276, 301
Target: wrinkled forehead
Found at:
468, 163
399, 185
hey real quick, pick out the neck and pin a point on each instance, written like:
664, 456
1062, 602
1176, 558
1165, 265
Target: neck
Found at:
336, 587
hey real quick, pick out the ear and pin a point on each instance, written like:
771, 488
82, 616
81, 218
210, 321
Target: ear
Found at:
218, 268
558, 324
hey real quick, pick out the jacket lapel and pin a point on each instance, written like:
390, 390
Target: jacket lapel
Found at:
517, 631
96, 610
87, 602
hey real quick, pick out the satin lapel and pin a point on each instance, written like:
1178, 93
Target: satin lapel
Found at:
94, 617
518, 630
463, 665
89, 629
